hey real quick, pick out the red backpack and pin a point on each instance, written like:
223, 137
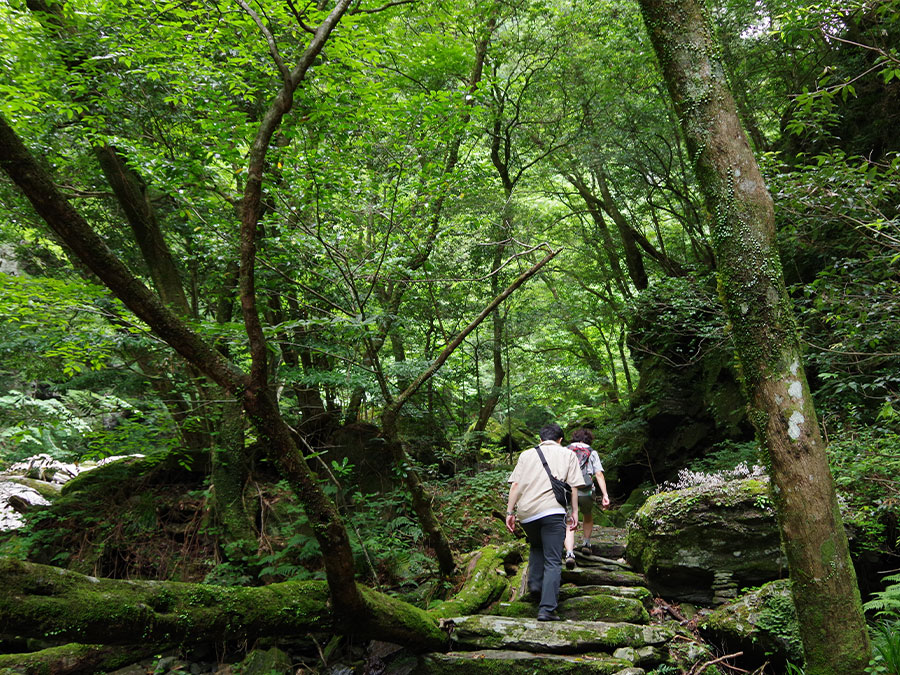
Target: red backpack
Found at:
583, 453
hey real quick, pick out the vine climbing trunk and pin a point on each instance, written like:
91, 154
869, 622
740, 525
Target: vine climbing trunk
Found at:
832, 626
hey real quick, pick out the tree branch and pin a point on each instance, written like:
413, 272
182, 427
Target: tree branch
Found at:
450, 348
252, 201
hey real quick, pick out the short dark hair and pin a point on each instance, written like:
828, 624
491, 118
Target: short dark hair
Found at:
551, 432
582, 436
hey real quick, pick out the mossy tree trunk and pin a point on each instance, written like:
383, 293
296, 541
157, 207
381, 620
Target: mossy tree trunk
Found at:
824, 586
52, 604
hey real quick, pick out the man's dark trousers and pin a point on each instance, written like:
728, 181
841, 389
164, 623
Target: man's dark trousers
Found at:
546, 537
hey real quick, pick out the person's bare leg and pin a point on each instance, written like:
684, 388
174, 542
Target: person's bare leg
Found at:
588, 524
569, 546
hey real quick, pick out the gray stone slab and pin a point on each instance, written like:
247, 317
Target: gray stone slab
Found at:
561, 637
518, 662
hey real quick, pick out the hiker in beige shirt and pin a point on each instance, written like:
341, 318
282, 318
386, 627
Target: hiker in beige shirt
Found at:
543, 518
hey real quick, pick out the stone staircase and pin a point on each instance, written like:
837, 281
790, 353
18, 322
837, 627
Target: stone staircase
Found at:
606, 629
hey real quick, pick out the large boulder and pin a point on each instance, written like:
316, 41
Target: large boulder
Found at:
704, 543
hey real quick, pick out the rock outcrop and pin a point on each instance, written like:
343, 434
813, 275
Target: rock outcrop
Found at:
704, 543
688, 397
34, 482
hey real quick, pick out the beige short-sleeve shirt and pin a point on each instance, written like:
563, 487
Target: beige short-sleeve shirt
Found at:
536, 498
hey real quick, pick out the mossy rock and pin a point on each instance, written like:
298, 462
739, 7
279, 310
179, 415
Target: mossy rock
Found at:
604, 608
498, 662
583, 608
642, 656
688, 398
271, 661
510, 436
639, 593
590, 576
559, 637
48, 491
128, 474
702, 543
761, 622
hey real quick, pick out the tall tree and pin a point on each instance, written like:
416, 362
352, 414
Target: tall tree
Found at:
254, 390
824, 589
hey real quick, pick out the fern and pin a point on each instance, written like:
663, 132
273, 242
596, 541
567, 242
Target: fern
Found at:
886, 603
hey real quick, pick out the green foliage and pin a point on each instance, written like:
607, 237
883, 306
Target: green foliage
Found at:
886, 647
886, 603
680, 317
845, 204
865, 465
53, 329
779, 618
470, 506
385, 539
665, 669
80, 424
725, 456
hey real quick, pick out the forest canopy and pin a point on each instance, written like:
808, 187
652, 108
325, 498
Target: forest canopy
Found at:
327, 267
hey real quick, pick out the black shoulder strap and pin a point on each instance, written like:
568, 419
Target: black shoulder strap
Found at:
543, 461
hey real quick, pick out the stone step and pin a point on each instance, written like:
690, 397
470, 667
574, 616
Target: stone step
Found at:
639, 593
608, 542
592, 560
597, 607
607, 575
611, 608
482, 631
524, 663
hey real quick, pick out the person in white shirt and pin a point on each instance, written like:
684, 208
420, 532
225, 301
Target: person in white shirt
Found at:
542, 517
591, 471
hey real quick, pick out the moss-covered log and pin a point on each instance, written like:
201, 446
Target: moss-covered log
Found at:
41, 601
486, 579
73, 659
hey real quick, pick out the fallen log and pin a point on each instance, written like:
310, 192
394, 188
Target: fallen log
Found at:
74, 659
485, 581
48, 602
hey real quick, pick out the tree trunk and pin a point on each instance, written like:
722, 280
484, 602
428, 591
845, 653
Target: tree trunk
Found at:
489, 404
824, 589
595, 209
131, 194
229, 475
633, 258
